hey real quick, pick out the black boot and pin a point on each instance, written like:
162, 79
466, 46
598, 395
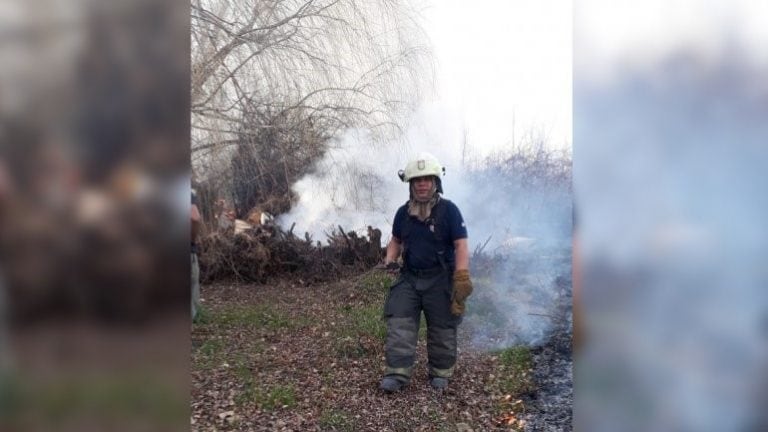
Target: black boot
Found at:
390, 384
438, 383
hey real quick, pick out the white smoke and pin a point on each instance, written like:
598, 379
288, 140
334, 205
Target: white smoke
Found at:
356, 185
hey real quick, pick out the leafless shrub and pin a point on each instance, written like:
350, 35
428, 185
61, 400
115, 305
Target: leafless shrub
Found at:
530, 185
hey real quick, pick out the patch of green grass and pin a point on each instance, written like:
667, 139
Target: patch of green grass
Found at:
214, 352
348, 347
241, 369
352, 340
375, 285
362, 321
280, 396
203, 316
211, 347
261, 316
336, 420
515, 370
518, 357
208, 354
268, 399
377, 280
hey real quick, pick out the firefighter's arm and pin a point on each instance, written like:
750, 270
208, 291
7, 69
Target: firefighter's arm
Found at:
390, 261
461, 246
393, 250
462, 285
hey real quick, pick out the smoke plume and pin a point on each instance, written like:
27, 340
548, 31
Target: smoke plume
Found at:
516, 205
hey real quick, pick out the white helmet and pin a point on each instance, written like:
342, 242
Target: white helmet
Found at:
425, 164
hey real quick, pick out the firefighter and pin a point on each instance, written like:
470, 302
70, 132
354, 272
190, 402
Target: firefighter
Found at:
430, 233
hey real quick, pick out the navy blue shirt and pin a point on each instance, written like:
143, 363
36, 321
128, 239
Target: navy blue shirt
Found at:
421, 246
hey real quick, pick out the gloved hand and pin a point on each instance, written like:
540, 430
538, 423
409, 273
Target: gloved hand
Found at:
392, 268
462, 288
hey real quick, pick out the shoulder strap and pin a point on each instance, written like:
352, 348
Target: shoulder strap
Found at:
435, 225
405, 232
434, 220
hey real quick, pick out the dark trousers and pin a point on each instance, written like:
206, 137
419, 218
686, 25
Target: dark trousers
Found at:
411, 294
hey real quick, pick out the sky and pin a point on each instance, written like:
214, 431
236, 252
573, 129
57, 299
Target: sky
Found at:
503, 68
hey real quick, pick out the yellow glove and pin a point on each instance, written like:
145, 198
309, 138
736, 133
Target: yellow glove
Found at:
462, 288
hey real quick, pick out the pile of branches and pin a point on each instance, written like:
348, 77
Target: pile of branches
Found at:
266, 251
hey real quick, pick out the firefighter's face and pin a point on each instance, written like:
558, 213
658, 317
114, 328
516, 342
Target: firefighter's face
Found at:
422, 187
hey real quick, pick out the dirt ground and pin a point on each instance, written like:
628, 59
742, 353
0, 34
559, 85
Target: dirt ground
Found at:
287, 357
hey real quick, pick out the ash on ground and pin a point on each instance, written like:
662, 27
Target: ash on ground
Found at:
550, 409
531, 304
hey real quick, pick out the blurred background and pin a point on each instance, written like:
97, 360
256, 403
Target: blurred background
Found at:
94, 202
670, 102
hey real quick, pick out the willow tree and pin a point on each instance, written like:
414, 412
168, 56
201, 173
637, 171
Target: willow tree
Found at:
281, 78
